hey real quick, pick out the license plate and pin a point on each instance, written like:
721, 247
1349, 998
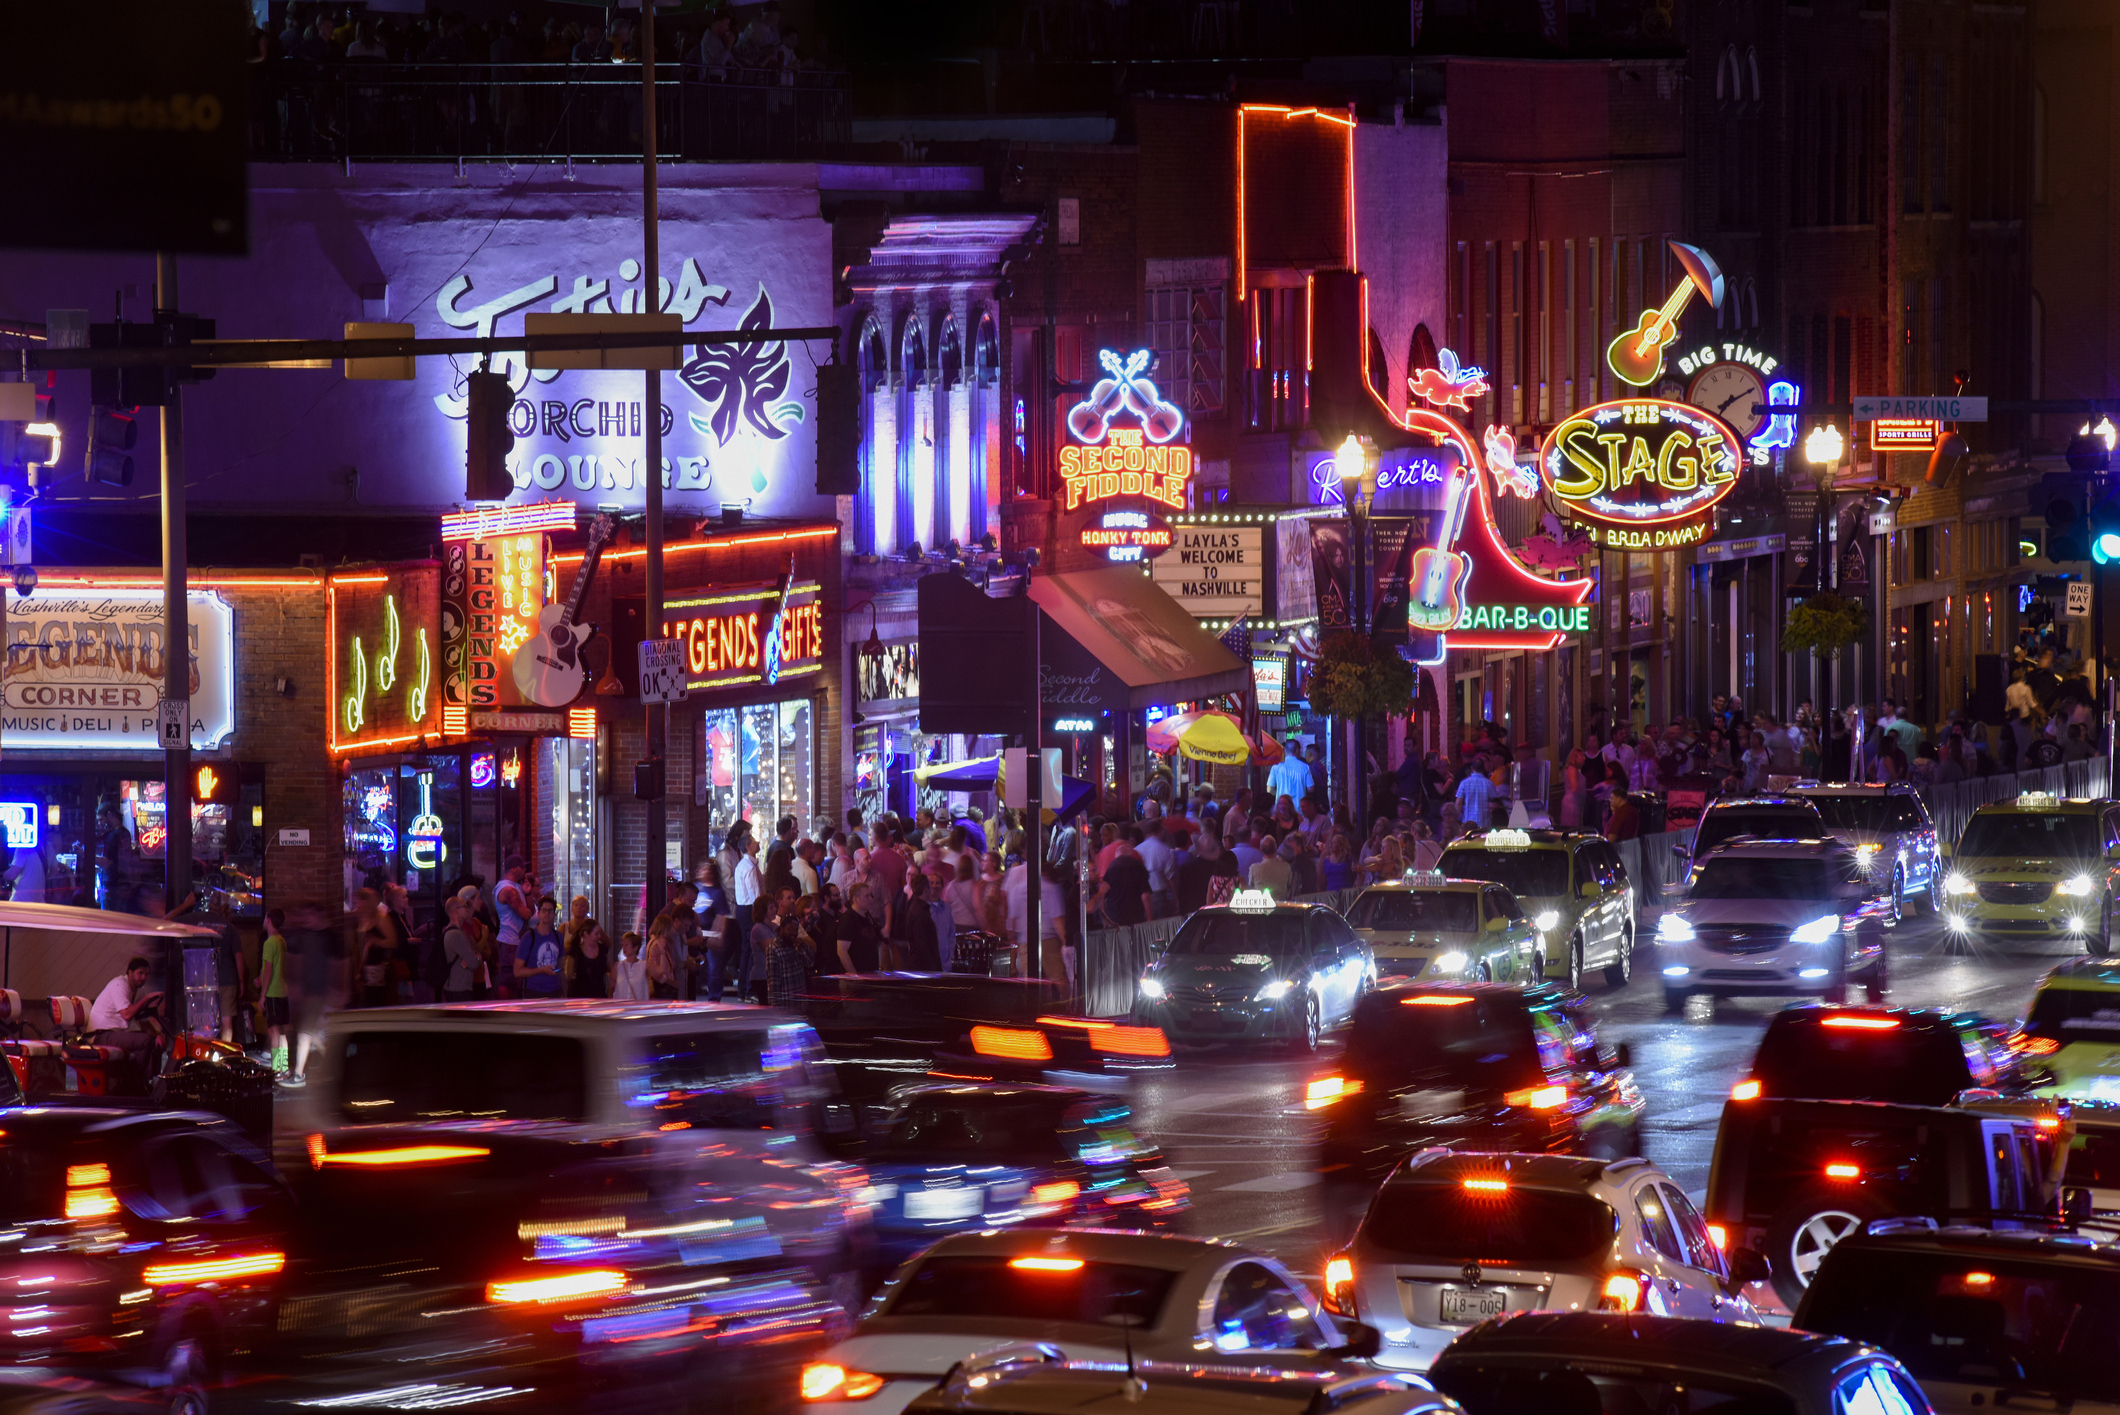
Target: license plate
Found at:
1425, 1103
1464, 1306
943, 1203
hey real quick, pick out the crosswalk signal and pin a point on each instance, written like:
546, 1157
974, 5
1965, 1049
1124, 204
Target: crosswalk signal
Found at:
488, 438
112, 433
2104, 530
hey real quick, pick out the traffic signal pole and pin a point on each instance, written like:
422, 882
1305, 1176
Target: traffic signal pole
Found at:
651, 621
176, 665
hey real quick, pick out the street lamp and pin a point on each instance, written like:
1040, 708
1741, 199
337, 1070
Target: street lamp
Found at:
1824, 447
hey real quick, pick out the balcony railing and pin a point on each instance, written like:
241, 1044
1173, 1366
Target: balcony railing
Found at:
373, 112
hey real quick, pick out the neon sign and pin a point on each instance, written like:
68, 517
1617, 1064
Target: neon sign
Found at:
1904, 434
1109, 461
381, 687
1128, 536
1448, 386
1640, 464
1780, 432
726, 633
492, 522
424, 849
1414, 469
1637, 355
19, 820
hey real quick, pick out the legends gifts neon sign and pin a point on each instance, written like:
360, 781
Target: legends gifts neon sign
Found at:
1106, 461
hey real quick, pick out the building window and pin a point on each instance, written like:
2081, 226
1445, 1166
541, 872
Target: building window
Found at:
1187, 330
755, 763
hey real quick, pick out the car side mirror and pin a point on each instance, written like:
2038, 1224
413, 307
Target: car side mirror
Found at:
1679, 850
2076, 1205
1747, 1266
1589, 889
1362, 1343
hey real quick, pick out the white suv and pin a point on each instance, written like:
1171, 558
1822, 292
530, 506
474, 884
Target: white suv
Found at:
1773, 918
1457, 1237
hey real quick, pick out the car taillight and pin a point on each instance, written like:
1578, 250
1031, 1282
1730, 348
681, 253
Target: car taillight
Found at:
1130, 1041
214, 1269
1339, 1285
2048, 1122
401, 1155
1060, 1191
88, 1192
1843, 1171
558, 1287
1487, 1186
1046, 1265
1538, 1098
1745, 1091
1623, 1292
1861, 1023
2038, 1046
823, 1381
1014, 1043
1328, 1089
1719, 1236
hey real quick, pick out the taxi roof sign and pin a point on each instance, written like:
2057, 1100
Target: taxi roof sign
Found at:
1425, 876
1252, 900
2038, 798
1507, 840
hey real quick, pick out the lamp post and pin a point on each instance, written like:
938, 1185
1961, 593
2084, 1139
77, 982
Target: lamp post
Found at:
1823, 449
1356, 480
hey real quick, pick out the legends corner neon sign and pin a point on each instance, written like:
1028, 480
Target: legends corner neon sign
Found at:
1106, 461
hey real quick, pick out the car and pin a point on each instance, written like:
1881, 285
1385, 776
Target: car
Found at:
1772, 917
1257, 970
1889, 828
1913, 1056
1574, 887
1455, 1238
1095, 1295
956, 1156
2094, 1153
1599, 1363
1429, 925
1979, 1315
1785, 816
1039, 1380
1790, 1178
1474, 1066
2072, 1030
591, 1201
2036, 868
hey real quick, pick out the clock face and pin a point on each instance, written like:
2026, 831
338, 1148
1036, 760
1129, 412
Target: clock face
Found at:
1730, 391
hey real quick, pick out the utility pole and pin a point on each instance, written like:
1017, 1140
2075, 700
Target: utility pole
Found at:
176, 657
651, 427
1034, 800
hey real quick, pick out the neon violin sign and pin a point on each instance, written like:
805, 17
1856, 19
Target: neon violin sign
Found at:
1106, 461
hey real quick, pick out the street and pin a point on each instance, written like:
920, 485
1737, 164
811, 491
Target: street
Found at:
1234, 1125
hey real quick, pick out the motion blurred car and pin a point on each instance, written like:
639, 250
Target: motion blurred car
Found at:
956, 1157
2094, 1153
1771, 918
1429, 925
2036, 868
1093, 1295
1981, 1318
1257, 970
1776, 817
1591, 1363
1468, 1066
1574, 888
2072, 1032
615, 1202
1453, 1239
1889, 829
1912, 1056
147, 1243
1790, 1178
1040, 1381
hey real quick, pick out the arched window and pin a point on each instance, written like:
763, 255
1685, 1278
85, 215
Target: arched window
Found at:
949, 483
1380, 372
985, 423
874, 362
912, 378
1729, 88
1752, 67
1420, 352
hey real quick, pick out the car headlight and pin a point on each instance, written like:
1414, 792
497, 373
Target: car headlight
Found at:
2078, 887
1819, 930
1151, 989
1274, 992
1955, 883
1451, 963
1671, 928
1548, 921
1866, 855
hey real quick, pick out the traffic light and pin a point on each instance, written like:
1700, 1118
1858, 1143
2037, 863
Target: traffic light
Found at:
112, 433
37, 443
2104, 529
488, 438
2063, 494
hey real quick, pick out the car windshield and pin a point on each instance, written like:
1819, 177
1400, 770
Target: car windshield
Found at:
1060, 1290
1874, 813
1443, 1221
1766, 822
1417, 911
1728, 878
2030, 835
1231, 931
976, 1128
1905, 1065
1529, 874
394, 1077
1480, 1042
2094, 1159
2075, 1014
1625, 1386
1979, 1318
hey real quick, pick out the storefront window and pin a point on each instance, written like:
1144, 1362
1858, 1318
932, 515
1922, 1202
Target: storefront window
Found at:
756, 763
404, 824
718, 767
571, 765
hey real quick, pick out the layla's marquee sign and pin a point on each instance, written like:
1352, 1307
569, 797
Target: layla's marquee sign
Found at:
84, 669
1642, 473
1104, 461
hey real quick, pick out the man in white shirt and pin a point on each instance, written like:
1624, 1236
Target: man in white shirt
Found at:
749, 884
1162, 862
1289, 777
111, 1016
805, 873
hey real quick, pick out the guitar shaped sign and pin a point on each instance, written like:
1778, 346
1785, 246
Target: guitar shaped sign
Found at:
548, 667
1637, 356
1436, 579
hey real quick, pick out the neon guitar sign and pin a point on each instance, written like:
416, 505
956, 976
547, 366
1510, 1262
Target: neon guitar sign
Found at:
1637, 355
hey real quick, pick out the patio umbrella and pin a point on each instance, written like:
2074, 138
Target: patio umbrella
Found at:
1270, 749
1203, 736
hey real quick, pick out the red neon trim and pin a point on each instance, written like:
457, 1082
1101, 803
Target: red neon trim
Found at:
772, 538
1353, 254
1241, 112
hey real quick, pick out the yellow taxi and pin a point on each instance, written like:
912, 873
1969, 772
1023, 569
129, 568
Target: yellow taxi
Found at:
2038, 867
1430, 926
2073, 1029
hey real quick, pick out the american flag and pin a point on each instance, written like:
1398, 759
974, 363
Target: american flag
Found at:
1237, 637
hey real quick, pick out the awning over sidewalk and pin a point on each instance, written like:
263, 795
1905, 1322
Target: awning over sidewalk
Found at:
1135, 633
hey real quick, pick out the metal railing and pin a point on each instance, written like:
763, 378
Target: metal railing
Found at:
377, 112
